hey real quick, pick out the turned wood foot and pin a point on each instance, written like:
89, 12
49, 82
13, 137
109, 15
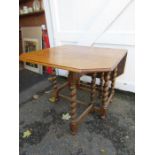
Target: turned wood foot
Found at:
103, 113
73, 128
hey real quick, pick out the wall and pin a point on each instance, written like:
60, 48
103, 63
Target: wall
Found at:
99, 23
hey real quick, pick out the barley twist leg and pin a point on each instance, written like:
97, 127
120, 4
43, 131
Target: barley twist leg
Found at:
105, 94
101, 85
73, 105
54, 96
93, 88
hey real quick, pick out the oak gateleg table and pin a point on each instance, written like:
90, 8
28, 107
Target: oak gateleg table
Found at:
103, 63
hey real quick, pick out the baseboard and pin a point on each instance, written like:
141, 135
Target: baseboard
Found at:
126, 86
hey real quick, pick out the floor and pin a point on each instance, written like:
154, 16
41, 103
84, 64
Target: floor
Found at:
50, 134
27, 79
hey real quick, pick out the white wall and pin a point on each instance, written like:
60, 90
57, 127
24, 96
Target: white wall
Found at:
98, 23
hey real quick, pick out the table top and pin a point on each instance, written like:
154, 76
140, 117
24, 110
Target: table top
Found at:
79, 59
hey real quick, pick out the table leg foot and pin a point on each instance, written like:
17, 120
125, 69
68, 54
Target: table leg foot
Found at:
103, 113
73, 128
103, 117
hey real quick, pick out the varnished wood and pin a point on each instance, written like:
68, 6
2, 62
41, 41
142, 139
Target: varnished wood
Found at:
113, 81
101, 84
84, 114
73, 102
121, 66
54, 95
93, 88
105, 93
69, 99
73, 105
36, 19
77, 58
81, 117
77, 76
33, 20
106, 88
86, 87
61, 88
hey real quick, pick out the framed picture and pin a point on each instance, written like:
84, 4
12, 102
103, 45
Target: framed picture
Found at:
32, 41
29, 46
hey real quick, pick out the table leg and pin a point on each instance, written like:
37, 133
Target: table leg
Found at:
93, 88
113, 82
105, 95
54, 96
73, 106
101, 85
78, 82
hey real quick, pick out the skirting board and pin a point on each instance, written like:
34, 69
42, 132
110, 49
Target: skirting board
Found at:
126, 86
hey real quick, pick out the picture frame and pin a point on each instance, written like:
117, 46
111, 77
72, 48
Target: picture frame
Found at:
29, 45
32, 41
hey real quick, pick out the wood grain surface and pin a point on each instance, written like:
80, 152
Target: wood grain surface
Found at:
79, 59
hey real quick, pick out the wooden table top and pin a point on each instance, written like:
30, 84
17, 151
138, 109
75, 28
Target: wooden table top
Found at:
79, 59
